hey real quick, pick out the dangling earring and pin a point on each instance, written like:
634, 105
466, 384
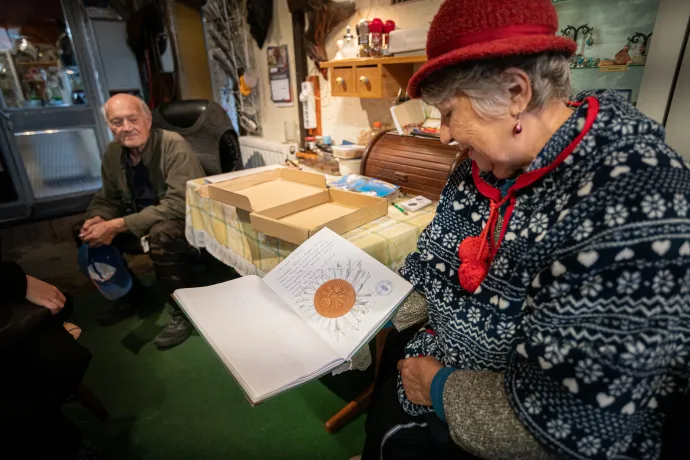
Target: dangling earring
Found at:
518, 126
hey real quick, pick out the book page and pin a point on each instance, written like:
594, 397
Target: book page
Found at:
344, 317
263, 342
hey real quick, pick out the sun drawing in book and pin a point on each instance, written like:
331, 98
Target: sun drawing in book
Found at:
334, 299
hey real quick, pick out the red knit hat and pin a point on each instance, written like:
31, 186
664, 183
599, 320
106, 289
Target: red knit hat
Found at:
471, 30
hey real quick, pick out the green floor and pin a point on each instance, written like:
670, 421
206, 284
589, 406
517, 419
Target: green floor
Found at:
183, 404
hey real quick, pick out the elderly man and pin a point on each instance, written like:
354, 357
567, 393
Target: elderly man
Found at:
144, 173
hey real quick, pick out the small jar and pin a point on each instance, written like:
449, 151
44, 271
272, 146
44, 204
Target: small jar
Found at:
376, 30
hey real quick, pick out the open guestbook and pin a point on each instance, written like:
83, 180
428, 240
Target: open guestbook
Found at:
307, 316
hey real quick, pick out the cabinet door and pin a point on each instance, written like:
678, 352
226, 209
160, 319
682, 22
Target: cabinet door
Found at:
343, 81
368, 81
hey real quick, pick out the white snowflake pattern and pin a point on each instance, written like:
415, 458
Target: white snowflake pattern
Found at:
619, 447
680, 205
649, 448
558, 289
561, 201
616, 158
615, 215
505, 328
646, 150
467, 201
500, 266
474, 315
558, 428
450, 240
517, 220
588, 371
677, 354
635, 354
624, 126
532, 405
592, 287
435, 286
685, 288
555, 353
639, 391
448, 295
589, 445
538, 223
540, 339
621, 385
667, 385
435, 231
584, 230
654, 206
628, 282
663, 281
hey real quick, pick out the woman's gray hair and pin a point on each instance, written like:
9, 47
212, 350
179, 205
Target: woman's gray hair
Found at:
488, 87
144, 109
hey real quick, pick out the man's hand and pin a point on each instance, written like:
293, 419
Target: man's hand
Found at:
102, 233
89, 223
45, 295
417, 375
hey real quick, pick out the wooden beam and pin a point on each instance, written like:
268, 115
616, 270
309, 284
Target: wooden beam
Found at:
298, 30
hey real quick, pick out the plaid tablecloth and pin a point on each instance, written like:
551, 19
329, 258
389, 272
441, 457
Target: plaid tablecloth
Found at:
228, 235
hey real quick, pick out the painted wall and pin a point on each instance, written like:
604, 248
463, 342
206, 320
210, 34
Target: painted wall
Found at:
345, 117
274, 119
342, 117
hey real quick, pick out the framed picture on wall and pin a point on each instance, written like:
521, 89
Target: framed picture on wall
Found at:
626, 93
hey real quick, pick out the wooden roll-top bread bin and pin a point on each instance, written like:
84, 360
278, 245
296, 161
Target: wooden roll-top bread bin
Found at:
420, 166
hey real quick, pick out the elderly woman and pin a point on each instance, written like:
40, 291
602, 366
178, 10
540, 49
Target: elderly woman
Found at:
554, 282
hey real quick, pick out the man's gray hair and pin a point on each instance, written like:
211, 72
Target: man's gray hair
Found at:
144, 109
488, 87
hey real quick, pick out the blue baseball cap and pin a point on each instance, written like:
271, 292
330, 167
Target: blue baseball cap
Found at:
106, 268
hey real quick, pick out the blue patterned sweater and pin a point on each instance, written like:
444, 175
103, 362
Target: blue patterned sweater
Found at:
586, 307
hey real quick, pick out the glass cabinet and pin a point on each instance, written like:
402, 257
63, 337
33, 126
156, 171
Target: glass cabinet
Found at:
52, 133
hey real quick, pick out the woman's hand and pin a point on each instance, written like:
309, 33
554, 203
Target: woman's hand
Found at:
417, 375
44, 295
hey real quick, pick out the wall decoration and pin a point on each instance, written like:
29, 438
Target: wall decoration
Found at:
279, 75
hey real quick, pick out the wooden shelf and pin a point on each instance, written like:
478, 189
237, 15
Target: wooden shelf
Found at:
373, 61
371, 78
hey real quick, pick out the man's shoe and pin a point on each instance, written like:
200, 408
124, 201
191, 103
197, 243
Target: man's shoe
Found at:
174, 333
122, 309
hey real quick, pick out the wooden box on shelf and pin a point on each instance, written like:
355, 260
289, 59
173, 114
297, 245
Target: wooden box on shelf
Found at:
371, 77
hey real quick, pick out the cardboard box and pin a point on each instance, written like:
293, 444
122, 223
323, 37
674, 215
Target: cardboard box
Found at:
338, 210
268, 189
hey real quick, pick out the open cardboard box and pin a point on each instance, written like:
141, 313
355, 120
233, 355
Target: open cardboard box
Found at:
338, 210
268, 189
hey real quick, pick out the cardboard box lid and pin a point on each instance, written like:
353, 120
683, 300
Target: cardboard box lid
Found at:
341, 211
268, 189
